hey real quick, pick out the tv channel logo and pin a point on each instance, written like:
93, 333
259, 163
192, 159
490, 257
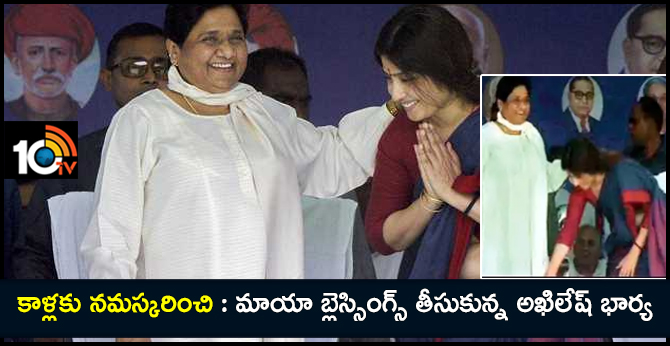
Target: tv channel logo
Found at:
41, 150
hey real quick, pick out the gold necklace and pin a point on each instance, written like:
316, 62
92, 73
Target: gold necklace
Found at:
506, 130
189, 104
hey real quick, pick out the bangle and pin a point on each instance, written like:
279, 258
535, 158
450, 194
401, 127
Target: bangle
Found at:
638, 246
431, 198
427, 208
472, 204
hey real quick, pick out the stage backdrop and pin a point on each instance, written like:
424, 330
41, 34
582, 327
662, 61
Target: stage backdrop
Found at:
337, 43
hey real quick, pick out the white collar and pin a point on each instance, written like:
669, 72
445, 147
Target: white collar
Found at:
177, 84
600, 271
519, 128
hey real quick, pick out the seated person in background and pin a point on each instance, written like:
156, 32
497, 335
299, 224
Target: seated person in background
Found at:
645, 126
587, 259
282, 75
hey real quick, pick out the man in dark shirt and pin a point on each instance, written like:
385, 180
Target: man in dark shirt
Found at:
645, 126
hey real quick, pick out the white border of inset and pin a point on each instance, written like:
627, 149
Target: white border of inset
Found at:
482, 107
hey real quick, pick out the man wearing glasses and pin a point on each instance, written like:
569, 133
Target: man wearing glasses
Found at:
581, 96
582, 109
644, 46
136, 62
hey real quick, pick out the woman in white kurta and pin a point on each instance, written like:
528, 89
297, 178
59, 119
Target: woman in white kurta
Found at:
202, 180
516, 181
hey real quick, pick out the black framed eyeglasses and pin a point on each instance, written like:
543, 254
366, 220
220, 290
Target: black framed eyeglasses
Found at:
138, 67
652, 44
582, 96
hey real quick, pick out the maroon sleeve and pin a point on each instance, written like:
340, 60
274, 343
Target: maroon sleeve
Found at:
632, 201
392, 189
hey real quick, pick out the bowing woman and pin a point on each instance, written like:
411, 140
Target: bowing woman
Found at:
628, 197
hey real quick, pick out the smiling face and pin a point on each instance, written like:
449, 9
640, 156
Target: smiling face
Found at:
419, 96
214, 55
583, 181
516, 109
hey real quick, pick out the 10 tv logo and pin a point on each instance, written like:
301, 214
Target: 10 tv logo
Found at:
41, 150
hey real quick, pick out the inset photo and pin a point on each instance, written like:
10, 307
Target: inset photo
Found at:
573, 176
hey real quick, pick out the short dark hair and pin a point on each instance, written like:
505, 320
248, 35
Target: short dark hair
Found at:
505, 87
581, 156
587, 227
651, 110
430, 41
259, 60
181, 18
134, 30
574, 81
635, 20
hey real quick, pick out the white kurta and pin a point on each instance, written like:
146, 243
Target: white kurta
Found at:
601, 269
329, 234
516, 181
218, 197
